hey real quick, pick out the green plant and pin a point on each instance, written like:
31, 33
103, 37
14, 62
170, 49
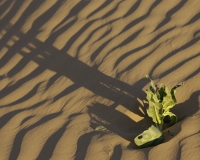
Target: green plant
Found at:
150, 137
161, 100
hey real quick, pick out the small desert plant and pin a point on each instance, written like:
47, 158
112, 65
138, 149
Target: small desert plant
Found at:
161, 100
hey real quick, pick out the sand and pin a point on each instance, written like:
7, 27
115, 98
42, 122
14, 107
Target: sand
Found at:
69, 66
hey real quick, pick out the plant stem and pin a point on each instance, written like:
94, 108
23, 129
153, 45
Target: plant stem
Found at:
159, 126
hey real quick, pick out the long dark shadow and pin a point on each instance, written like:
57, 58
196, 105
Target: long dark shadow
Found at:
185, 46
77, 35
170, 13
6, 117
193, 19
99, 49
30, 94
192, 74
178, 65
127, 40
142, 47
117, 153
132, 9
118, 122
196, 141
83, 143
26, 39
6, 19
112, 10
138, 20
134, 64
105, 4
196, 33
188, 107
5, 6
20, 135
33, 6
73, 12
50, 144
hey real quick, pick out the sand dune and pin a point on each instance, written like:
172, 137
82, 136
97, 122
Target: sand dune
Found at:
68, 66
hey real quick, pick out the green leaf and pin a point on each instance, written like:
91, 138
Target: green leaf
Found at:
171, 132
173, 92
149, 95
168, 103
162, 93
173, 120
100, 128
152, 85
152, 89
173, 117
154, 112
167, 119
150, 137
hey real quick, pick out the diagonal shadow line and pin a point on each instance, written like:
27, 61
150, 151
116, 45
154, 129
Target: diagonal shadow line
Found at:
192, 74
196, 33
178, 65
34, 52
104, 35
26, 119
112, 10
88, 38
92, 33
178, 155
117, 153
136, 21
126, 28
170, 13
12, 50
19, 83
137, 62
6, 117
52, 81
83, 143
185, 107
6, 19
110, 118
142, 47
83, 75
76, 35
40, 21
99, 49
50, 144
132, 9
73, 12
192, 42
126, 41
5, 6
20, 135
33, 6
28, 95
193, 19
66, 91
98, 28
105, 4
75, 75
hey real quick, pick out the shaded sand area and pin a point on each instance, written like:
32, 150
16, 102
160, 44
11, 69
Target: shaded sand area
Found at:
68, 66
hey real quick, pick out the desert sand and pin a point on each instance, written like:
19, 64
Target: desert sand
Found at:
69, 66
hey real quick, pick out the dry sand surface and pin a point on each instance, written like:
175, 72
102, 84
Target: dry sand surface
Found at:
69, 66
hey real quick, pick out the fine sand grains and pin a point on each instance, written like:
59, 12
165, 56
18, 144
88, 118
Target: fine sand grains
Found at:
69, 66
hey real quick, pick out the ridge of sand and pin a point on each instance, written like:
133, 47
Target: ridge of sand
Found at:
68, 66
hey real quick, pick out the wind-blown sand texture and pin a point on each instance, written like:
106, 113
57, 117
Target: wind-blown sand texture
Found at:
68, 66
